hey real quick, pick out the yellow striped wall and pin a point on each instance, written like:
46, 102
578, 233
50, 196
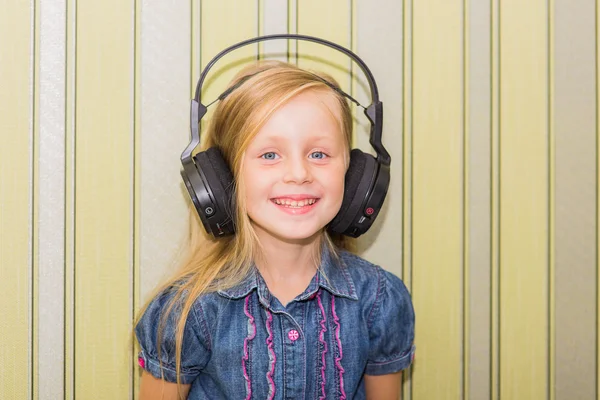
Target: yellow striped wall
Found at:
491, 111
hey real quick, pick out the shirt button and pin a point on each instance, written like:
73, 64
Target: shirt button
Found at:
293, 335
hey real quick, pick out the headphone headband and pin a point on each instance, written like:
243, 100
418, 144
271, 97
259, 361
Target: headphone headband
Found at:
374, 111
349, 53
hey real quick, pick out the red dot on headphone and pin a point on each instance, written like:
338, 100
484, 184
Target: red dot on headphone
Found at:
369, 211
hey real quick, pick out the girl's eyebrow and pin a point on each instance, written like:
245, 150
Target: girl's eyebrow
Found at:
281, 138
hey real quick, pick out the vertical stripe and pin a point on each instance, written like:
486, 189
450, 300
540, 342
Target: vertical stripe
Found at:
69, 269
243, 16
574, 113
355, 71
495, 200
104, 147
137, 174
165, 105
478, 197
292, 27
380, 49
195, 43
407, 165
35, 204
465, 203
551, 370
274, 20
597, 232
169, 67
51, 250
438, 130
331, 21
524, 200
16, 192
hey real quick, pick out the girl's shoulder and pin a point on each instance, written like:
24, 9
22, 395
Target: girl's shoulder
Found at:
366, 272
371, 280
387, 308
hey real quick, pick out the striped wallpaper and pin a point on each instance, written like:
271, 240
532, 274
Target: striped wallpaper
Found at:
491, 111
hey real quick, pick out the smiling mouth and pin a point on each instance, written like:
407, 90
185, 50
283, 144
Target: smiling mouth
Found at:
288, 203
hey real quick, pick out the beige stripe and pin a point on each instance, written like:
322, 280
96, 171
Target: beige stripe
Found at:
479, 212
331, 21
495, 201
51, 197
242, 15
16, 73
380, 244
137, 223
274, 16
524, 200
407, 168
575, 193
196, 40
104, 195
71, 38
292, 28
551, 335
35, 206
466, 187
438, 197
165, 68
597, 200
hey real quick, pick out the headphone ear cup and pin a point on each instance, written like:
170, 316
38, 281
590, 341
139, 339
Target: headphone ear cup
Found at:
357, 183
219, 180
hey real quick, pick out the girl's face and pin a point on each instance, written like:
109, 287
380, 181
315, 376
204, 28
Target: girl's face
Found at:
294, 168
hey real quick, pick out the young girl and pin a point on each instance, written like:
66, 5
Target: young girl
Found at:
281, 309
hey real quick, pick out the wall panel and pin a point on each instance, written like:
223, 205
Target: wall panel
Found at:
103, 199
165, 102
478, 106
491, 219
69, 237
51, 201
437, 197
242, 15
575, 246
370, 45
16, 194
332, 21
273, 19
523, 200
407, 164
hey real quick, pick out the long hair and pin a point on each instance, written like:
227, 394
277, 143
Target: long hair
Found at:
209, 264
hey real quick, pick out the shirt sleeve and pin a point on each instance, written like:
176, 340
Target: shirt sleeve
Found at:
195, 347
391, 327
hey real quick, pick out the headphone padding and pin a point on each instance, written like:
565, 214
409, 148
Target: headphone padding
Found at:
219, 177
354, 175
219, 165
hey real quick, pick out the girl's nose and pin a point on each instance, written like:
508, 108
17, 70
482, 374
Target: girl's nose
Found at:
297, 171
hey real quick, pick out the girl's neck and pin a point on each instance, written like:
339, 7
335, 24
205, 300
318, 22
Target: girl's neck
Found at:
287, 261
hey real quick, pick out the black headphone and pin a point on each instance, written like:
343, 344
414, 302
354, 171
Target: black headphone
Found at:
209, 180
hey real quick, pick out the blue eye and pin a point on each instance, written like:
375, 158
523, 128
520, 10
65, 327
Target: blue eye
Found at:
269, 155
319, 155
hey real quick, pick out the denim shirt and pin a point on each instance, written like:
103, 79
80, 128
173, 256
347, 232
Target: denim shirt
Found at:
354, 318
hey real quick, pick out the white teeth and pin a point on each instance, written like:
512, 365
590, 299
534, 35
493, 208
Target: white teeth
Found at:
294, 203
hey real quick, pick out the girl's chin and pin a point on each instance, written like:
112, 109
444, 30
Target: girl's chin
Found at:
290, 235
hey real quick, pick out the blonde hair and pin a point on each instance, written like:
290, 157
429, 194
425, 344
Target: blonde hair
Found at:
210, 264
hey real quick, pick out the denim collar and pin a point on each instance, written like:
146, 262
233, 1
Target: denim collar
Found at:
333, 276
